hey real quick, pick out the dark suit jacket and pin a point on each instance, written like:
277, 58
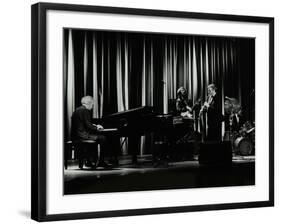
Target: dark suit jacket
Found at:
214, 115
237, 125
81, 124
214, 112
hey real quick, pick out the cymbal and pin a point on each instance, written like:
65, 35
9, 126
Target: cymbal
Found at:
231, 105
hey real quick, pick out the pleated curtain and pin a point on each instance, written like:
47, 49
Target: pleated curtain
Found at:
123, 71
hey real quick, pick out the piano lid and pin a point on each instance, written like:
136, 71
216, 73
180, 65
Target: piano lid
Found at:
135, 112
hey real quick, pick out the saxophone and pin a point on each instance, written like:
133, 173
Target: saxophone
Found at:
206, 105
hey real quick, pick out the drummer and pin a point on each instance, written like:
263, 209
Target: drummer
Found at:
237, 119
233, 118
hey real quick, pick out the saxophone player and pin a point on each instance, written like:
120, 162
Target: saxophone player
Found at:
212, 108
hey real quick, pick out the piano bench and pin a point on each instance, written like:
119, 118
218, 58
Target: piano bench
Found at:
81, 148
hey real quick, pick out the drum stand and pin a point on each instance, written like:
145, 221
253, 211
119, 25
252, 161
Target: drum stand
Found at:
231, 133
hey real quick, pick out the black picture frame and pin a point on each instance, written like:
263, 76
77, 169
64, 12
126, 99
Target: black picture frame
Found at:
39, 108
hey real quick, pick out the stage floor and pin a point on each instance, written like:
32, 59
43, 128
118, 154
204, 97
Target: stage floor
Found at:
144, 176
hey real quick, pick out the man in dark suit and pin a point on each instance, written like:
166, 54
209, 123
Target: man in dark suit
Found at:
83, 129
214, 114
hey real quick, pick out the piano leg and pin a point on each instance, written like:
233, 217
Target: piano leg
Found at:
113, 144
133, 146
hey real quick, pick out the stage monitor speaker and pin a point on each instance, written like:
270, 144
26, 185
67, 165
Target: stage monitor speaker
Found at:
215, 153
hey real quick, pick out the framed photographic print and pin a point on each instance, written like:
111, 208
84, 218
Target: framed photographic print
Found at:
138, 111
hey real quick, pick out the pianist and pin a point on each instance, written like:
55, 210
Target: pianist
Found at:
83, 129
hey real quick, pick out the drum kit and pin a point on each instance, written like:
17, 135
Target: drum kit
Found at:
243, 139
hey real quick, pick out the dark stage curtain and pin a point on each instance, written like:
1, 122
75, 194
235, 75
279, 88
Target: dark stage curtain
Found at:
128, 70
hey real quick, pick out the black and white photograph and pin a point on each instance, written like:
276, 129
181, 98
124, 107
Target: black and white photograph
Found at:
140, 112
157, 111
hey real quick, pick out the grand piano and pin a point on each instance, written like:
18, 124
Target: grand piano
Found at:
140, 121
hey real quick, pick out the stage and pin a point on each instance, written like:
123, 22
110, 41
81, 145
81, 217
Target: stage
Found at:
145, 176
